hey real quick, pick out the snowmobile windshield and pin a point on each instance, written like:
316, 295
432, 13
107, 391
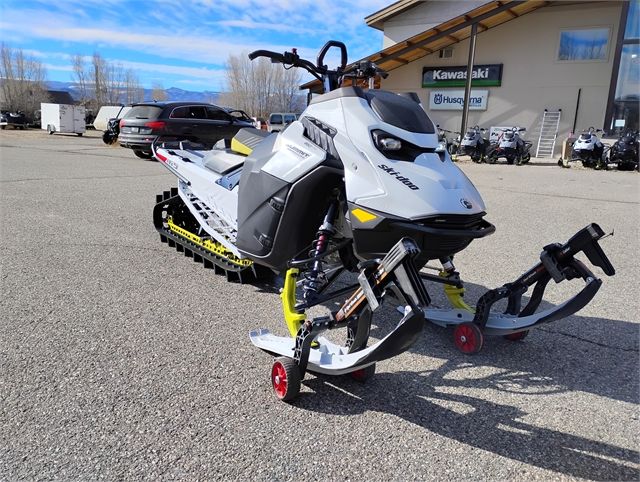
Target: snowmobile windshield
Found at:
471, 133
400, 111
585, 137
508, 135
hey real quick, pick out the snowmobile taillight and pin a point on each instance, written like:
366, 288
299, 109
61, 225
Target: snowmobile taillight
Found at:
155, 124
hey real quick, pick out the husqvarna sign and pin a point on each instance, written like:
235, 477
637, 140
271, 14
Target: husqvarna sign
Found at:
454, 99
482, 76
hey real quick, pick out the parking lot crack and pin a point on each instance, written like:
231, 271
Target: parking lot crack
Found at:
603, 345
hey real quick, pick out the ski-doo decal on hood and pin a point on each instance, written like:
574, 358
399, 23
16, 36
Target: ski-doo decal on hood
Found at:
404, 180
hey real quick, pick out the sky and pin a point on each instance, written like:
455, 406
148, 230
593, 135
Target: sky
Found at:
181, 43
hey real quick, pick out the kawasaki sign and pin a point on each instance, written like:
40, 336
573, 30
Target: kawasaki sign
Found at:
482, 76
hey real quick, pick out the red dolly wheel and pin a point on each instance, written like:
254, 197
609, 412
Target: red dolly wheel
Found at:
285, 378
363, 374
468, 338
520, 335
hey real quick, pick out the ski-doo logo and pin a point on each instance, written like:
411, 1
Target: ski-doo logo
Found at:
467, 204
297, 151
404, 180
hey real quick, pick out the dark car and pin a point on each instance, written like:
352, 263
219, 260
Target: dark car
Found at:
194, 121
17, 120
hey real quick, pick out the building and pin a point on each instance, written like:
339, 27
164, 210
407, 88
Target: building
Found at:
577, 58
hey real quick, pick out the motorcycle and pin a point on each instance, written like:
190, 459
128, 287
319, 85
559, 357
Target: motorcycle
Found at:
450, 144
589, 149
355, 184
110, 135
624, 152
512, 147
474, 145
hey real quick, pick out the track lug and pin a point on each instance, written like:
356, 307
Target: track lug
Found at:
166, 195
163, 239
188, 253
174, 191
159, 198
171, 243
197, 258
179, 248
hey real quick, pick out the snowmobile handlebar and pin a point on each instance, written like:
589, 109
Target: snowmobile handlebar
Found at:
325, 48
362, 69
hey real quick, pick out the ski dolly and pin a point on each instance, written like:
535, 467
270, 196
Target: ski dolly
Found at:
312, 352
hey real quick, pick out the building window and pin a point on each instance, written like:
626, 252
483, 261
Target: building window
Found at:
623, 109
446, 53
580, 45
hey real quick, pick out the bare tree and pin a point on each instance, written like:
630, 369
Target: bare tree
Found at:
260, 87
22, 81
82, 78
158, 92
132, 88
102, 82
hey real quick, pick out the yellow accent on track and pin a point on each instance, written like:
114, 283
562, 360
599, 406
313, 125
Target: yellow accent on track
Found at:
211, 246
362, 215
292, 318
240, 148
455, 296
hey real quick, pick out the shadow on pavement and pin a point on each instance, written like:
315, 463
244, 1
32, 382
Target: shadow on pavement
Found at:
496, 428
582, 354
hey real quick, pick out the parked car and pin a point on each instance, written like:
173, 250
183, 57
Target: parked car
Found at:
17, 120
279, 120
194, 121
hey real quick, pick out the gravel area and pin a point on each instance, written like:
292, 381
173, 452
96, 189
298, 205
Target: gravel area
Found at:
121, 359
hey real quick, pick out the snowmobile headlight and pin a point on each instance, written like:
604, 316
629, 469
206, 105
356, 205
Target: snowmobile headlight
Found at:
389, 144
442, 146
385, 141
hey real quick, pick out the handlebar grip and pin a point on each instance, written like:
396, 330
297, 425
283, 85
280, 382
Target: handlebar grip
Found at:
266, 53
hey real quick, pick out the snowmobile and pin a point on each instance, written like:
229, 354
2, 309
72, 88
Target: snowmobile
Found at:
474, 145
588, 149
355, 184
624, 152
512, 147
111, 133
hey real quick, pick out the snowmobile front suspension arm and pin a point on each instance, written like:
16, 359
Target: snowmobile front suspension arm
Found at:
557, 262
396, 267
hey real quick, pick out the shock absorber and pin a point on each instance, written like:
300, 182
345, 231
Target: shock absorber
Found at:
314, 278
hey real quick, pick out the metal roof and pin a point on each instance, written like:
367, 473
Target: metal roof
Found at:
452, 31
377, 19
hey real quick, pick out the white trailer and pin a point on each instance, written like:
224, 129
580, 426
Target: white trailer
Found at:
64, 118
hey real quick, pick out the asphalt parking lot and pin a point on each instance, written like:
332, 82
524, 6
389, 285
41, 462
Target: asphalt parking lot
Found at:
122, 359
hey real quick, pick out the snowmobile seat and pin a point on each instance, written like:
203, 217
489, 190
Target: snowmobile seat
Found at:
222, 161
246, 139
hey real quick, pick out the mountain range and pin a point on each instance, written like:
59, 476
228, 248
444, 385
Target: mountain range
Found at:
173, 93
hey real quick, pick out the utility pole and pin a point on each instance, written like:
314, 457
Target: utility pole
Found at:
467, 87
